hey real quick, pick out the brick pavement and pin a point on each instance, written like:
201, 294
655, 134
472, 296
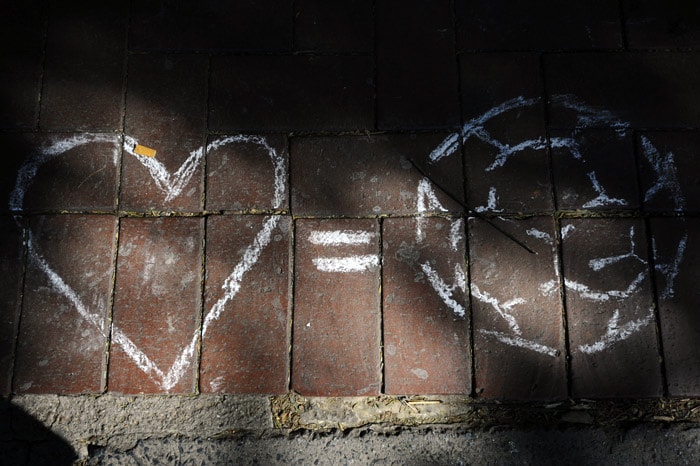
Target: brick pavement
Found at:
394, 197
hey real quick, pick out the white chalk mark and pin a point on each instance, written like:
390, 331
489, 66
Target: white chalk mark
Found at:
506, 151
601, 263
29, 168
426, 200
549, 287
348, 264
567, 143
444, 291
170, 184
98, 321
602, 199
339, 237
588, 117
539, 234
670, 270
616, 333
475, 127
520, 342
567, 230
491, 205
585, 292
231, 286
498, 307
278, 162
666, 173
456, 233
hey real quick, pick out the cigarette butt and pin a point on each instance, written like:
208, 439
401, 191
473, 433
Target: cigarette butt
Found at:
145, 151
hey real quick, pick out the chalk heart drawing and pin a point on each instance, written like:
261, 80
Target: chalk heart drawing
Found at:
171, 184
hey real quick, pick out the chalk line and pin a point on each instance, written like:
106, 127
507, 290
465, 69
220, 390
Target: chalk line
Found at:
443, 290
602, 199
670, 270
29, 168
340, 237
501, 309
348, 264
520, 342
171, 184
615, 333
456, 233
426, 200
666, 173
601, 263
491, 203
585, 292
539, 234
589, 117
450, 144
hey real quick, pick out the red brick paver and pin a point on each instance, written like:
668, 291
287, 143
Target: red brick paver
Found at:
410, 94
426, 320
245, 349
337, 317
156, 307
676, 260
64, 327
165, 111
83, 82
11, 258
610, 309
366, 176
317, 93
518, 342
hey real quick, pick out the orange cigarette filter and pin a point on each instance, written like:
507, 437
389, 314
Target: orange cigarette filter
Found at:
145, 151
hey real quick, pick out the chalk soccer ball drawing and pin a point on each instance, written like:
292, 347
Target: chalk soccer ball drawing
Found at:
172, 184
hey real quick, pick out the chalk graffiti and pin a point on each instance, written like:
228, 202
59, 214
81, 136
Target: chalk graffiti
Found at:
172, 184
586, 117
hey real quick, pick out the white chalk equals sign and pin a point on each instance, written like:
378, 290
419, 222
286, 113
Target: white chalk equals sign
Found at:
346, 264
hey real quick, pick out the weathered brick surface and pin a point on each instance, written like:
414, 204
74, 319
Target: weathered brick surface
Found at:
65, 311
157, 303
234, 26
598, 173
290, 93
74, 171
426, 328
662, 25
669, 171
513, 25
165, 111
416, 66
22, 27
84, 70
241, 174
646, 89
336, 331
323, 26
11, 274
246, 349
610, 309
507, 166
677, 261
359, 175
518, 331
